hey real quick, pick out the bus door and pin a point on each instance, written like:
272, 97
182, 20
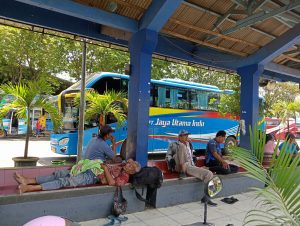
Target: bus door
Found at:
6, 121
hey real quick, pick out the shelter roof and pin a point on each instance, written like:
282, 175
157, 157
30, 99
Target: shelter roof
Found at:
225, 34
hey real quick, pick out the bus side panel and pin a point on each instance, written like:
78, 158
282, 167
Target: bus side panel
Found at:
202, 127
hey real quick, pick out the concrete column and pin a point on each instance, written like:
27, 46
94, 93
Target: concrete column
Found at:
141, 46
249, 98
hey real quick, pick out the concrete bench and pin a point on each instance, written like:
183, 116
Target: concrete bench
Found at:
91, 202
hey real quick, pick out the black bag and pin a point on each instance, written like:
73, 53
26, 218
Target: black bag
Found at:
150, 177
120, 203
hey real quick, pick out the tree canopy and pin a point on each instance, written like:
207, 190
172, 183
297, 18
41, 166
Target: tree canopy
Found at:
27, 55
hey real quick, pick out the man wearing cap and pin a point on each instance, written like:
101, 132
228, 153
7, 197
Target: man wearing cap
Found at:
172, 150
184, 161
99, 149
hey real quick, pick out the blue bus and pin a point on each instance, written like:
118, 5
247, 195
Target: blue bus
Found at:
174, 105
12, 125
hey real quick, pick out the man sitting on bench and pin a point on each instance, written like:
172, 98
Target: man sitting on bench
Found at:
185, 164
213, 157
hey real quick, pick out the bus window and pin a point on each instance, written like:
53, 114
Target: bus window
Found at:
124, 86
202, 99
213, 101
194, 100
108, 84
182, 99
153, 95
161, 96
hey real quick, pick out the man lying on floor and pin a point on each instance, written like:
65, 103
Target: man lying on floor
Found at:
86, 172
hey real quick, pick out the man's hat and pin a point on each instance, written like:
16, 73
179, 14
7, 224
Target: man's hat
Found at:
183, 132
106, 129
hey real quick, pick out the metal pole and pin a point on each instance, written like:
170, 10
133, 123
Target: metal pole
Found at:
82, 104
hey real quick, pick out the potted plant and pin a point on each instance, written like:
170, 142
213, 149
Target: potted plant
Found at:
28, 95
279, 198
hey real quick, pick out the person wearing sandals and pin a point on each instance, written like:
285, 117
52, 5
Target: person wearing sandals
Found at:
86, 172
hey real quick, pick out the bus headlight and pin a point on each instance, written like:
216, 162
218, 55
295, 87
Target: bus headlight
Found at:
63, 141
53, 141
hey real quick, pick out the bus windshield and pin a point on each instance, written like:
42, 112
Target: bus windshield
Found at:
70, 113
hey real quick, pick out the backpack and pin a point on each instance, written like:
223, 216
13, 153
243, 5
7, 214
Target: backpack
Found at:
150, 177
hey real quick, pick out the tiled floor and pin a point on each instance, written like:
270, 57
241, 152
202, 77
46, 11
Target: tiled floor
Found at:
189, 213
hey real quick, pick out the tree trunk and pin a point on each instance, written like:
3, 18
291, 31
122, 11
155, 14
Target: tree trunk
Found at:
27, 133
20, 72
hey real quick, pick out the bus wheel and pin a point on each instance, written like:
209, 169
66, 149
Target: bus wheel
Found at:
229, 142
2, 133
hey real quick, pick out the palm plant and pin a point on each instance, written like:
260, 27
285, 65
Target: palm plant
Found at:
27, 96
101, 105
280, 198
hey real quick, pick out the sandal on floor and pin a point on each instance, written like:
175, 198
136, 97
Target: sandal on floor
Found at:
230, 200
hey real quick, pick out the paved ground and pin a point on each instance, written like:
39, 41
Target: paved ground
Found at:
12, 147
190, 213
39, 147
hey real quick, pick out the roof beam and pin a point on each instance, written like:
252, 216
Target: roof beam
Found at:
280, 71
158, 14
215, 33
178, 35
256, 5
274, 48
279, 3
229, 19
241, 3
261, 16
220, 20
292, 58
81, 11
297, 50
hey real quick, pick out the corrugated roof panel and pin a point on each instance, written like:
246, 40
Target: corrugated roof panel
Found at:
189, 15
202, 18
132, 9
207, 21
222, 6
204, 3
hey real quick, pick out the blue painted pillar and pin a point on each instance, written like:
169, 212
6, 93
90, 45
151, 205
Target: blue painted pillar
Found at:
249, 99
141, 47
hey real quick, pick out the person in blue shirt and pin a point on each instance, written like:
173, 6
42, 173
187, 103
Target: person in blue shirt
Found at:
213, 156
290, 144
99, 149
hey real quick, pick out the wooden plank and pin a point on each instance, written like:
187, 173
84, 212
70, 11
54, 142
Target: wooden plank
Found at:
212, 32
202, 43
